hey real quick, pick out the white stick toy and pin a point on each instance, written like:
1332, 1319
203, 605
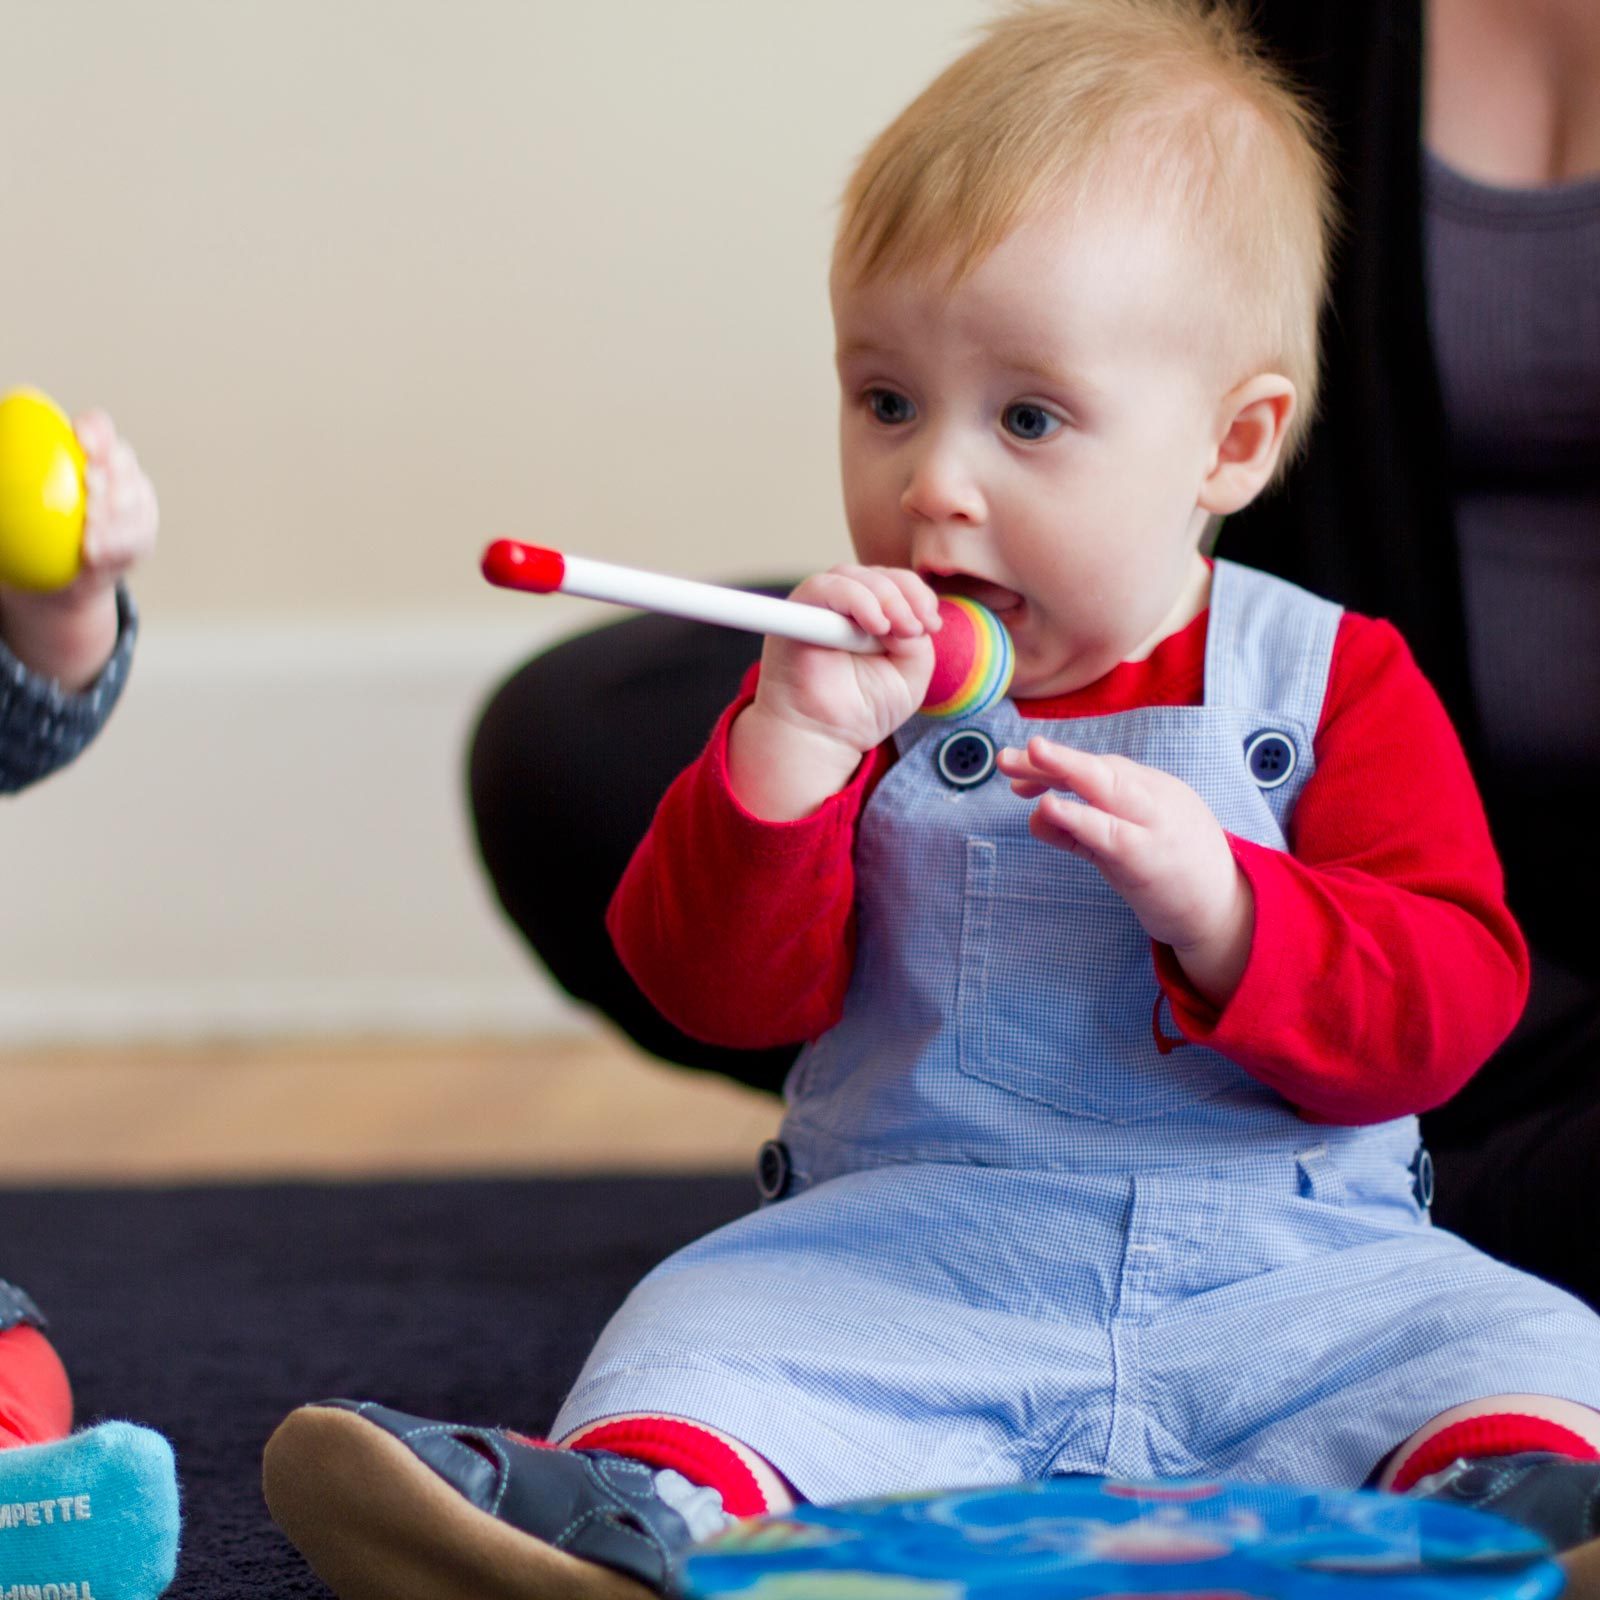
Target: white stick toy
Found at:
973, 658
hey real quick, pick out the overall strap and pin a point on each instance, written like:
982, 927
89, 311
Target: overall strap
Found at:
1269, 645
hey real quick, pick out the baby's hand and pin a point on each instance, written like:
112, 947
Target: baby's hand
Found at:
856, 700
1155, 841
68, 635
818, 711
120, 516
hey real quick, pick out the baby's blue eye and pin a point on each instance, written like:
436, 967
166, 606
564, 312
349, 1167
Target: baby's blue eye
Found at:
1027, 421
890, 407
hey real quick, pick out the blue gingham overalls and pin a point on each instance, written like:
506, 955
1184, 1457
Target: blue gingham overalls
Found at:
1025, 1230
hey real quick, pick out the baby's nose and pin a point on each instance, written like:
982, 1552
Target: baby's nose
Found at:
942, 488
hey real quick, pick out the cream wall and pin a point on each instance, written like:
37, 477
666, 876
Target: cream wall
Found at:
367, 280
367, 284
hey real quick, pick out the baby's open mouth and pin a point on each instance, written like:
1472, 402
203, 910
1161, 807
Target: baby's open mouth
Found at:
995, 596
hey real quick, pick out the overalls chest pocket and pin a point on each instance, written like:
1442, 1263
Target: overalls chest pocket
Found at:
1057, 999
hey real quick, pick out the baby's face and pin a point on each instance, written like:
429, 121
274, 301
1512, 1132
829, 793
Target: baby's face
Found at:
1037, 437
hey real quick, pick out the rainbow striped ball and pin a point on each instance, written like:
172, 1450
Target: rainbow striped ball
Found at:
973, 660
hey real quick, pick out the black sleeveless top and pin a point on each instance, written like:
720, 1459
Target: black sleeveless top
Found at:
1449, 486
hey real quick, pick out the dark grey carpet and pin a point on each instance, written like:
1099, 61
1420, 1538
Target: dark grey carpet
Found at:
209, 1312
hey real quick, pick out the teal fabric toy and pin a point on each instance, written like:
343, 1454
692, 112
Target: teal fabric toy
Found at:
93, 1516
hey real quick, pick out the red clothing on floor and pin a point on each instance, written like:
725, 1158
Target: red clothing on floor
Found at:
1384, 969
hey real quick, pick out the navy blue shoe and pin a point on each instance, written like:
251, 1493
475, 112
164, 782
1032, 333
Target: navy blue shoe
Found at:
386, 1506
1554, 1495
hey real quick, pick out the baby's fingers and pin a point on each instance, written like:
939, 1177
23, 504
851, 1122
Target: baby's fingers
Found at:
1112, 783
901, 595
1081, 829
919, 596
869, 596
97, 436
1108, 781
122, 515
1055, 766
1027, 779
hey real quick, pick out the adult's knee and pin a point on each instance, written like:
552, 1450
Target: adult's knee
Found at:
568, 761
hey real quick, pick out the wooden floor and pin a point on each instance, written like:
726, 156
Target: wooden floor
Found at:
358, 1110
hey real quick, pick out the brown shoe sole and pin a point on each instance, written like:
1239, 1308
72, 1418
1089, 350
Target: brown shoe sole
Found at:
375, 1523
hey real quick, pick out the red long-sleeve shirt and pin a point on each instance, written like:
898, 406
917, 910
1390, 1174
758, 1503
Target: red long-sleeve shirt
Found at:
1384, 967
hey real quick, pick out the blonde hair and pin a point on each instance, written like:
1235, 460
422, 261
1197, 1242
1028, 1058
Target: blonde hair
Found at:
1051, 106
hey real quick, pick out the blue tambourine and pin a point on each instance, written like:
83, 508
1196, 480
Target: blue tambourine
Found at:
1100, 1539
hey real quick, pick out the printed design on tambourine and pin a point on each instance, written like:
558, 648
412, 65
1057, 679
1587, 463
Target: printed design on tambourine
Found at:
1088, 1539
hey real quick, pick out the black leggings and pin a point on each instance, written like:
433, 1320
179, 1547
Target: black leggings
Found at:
574, 751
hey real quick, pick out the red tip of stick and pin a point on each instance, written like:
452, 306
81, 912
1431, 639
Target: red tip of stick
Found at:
511, 565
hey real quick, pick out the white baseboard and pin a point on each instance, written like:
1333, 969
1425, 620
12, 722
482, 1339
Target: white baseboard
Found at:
209, 1011
270, 839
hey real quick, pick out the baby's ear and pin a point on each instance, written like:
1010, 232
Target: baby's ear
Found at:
1252, 422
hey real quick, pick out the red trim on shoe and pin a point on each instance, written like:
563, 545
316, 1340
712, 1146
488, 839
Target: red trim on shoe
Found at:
1501, 1433
669, 1442
532, 1444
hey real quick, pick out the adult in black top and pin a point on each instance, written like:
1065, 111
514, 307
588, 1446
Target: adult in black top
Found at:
1476, 530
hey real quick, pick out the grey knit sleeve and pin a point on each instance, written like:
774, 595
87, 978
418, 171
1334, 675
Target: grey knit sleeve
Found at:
41, 726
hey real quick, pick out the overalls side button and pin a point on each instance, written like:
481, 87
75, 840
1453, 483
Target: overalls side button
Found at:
1422, 1177
772, 1170
1271, 757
